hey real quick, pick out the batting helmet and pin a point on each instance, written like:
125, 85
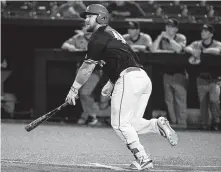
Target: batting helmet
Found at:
99, 10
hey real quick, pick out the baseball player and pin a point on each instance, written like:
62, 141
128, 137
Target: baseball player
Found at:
129, 85
174, 78
207, 81
137, 40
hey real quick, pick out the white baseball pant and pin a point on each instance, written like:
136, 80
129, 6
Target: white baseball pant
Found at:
128, 103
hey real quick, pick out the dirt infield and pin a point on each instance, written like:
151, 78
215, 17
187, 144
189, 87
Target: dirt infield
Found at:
70, 148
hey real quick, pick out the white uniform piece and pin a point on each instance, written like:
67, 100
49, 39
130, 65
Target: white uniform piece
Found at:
128, 109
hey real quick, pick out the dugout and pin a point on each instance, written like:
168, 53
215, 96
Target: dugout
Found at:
23, 40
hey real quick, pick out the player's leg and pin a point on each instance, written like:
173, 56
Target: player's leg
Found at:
142, 125
160, 126
203, 95
169, 97
125, 96
87, 98
214, 93
180, 98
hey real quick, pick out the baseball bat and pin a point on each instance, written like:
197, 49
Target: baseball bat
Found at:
44, 117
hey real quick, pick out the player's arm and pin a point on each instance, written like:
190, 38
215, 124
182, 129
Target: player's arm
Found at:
213, 50
178, 45
193, 49
149, 42
155, 48
145, 45
139, 47
83, 74
70, 45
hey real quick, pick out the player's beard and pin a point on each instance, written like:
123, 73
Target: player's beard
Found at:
89, 28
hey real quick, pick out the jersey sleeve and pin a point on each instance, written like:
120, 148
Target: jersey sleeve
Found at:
148, 40
95, 48
181, 40
72, 40
218, 45
194, 45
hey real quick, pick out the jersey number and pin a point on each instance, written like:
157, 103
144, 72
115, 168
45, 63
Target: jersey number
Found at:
119, 37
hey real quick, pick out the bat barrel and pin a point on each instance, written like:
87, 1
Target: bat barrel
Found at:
28, 128
43, 118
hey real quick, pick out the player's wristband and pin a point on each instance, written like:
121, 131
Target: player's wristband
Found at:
76, 86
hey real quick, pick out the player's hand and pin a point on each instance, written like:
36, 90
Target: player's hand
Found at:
104, 102
165, 35
196, 53
194, 60
72, 96
107, 89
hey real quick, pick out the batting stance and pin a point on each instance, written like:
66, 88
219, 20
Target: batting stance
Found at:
129, 85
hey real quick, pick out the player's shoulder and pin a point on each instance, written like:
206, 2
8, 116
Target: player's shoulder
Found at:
216, 42
196, 43
145, 35
110, 32
109, 29
180, 36
103, 34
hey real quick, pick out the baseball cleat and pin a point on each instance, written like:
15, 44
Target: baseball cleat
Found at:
141, 164
81, 121
166, 131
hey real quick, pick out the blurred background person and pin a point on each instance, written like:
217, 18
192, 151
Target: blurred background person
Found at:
184, 12
159, 11
211, 12
8, 98
137, 40
125, 9
79, 43
174, 78
207, 80
70, 9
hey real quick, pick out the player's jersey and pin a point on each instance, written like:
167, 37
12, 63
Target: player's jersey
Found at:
165, 45
179, 38
201, 46
109, 48
143, 39
203, 71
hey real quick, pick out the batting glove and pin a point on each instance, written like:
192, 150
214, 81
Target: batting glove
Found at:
107, 89
72, 96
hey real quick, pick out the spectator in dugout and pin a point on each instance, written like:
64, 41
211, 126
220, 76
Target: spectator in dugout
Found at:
137, 40
208, 82
175, 79
125, 9
79, 42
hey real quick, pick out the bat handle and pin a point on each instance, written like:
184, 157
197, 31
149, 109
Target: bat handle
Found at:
63, 105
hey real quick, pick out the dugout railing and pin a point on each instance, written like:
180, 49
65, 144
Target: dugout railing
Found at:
55, 70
